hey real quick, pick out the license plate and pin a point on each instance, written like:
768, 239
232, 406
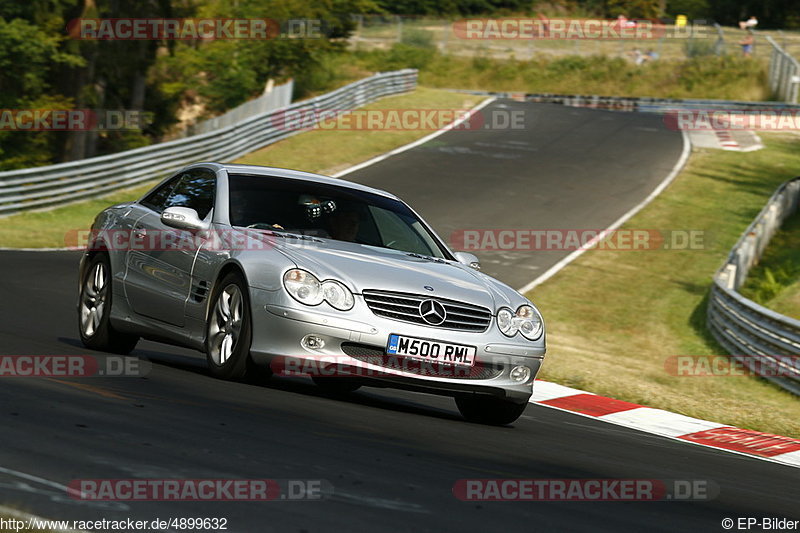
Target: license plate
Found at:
429, 350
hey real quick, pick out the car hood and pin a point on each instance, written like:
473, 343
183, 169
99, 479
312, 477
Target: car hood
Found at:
364, 267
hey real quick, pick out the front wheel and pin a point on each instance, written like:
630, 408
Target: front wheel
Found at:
94, 310
229, 331
489, 410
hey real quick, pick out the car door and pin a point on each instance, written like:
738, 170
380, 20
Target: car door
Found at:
160, 258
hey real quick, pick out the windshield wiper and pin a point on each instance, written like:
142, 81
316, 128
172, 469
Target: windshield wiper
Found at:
427, 257
300, 236
285, 234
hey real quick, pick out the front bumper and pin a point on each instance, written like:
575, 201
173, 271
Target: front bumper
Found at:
280, 324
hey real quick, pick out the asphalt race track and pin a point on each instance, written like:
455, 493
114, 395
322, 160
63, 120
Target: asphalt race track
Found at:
391, 457
569, 168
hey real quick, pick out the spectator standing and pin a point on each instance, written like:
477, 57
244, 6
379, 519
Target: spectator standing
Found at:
747, 44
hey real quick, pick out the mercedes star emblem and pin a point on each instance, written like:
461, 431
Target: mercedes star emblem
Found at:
432, 312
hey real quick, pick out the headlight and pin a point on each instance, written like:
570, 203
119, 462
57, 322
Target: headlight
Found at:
303, 286
307, 289
505, 321
530, 322
337, 295
526, 320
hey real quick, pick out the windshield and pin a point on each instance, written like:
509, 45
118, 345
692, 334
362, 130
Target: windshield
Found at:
328, 212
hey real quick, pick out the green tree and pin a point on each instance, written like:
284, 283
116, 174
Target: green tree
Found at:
645, 9
693, 9
221, 74
28, 57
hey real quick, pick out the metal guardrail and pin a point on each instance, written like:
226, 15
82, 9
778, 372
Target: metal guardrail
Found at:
759, 337
41, 187
784, 73
278, 97
640, 104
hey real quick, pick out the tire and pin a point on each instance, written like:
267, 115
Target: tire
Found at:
94, 310
336, 385
489, 410
229, 332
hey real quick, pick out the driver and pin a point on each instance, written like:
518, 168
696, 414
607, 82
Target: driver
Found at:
343, 225
246, 209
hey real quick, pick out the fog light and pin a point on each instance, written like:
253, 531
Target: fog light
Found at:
520, 373
312, 342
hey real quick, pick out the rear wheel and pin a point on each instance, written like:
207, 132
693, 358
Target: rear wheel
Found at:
489, 410
94, 310
229, 332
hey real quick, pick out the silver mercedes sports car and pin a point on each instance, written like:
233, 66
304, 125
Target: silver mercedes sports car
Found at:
269, 270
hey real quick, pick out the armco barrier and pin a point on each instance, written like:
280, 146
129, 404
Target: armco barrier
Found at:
40, 187
748, 331
640, 104
784, 73
278, 97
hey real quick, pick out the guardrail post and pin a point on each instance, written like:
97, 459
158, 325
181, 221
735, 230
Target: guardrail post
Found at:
719, 45
399, 28
728, 276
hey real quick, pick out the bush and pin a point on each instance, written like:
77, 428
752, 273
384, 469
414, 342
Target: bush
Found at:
399, 56
418, 38
700, 48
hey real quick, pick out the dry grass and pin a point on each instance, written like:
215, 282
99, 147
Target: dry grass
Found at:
329, 151
788, 301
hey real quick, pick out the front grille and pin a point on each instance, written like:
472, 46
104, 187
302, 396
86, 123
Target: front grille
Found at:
378, 357
406, 307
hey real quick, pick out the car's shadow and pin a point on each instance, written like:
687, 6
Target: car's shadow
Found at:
371, 396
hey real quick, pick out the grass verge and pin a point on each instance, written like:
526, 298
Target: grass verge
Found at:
615, 317
725, 77
787, 302
775, 281
322, 151
335, 150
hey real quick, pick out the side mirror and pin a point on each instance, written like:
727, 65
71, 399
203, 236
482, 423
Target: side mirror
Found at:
182, 218
468, 259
